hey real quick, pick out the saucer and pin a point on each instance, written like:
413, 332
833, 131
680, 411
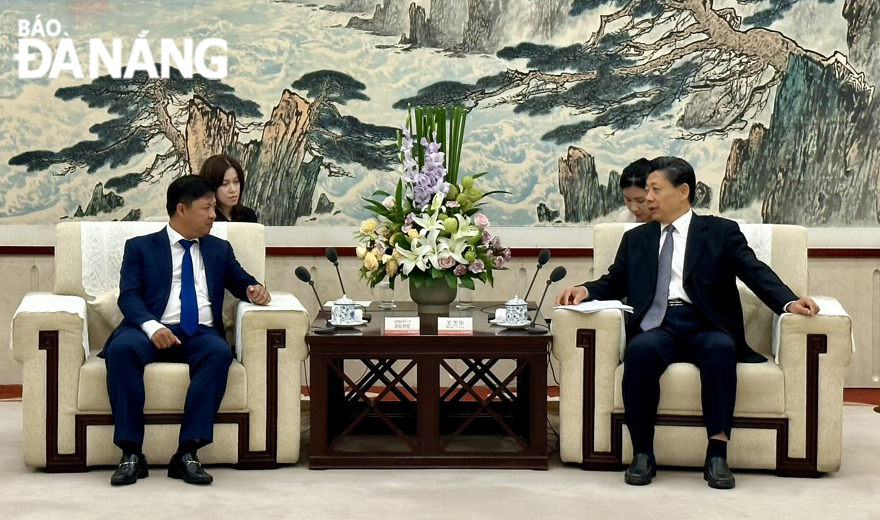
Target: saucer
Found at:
347, 325
510, 325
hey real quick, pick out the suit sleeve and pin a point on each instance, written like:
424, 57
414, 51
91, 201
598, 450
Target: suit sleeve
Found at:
612, 285
131, 282
237, 279
757, 276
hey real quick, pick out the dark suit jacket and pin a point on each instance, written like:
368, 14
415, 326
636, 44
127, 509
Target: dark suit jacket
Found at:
245, 215
145, 278
717, 253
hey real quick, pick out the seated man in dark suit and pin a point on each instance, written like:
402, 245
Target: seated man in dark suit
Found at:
679, 275
171, 289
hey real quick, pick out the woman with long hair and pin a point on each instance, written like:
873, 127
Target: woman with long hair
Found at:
227, 177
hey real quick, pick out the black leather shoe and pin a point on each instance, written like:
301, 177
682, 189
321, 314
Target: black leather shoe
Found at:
131, 468
717, 473
188, 468
642, 469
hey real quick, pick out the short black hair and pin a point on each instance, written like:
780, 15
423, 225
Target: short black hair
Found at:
186, 190
678, 172
635, 174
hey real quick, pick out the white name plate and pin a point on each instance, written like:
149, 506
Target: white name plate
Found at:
455, 326
400, 326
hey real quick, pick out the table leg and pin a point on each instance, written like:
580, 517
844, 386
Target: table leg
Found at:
538, 409
318, 405
428, 405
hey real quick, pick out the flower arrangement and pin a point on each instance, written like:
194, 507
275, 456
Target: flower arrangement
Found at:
432, 226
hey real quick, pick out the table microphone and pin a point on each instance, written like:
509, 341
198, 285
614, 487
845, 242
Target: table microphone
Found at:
555, 275
331, 255
543, 258
305, 276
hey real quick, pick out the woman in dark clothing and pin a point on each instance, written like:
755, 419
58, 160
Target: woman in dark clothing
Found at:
227, 177
633, 186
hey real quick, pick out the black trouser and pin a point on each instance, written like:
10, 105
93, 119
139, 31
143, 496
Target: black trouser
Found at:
684, 336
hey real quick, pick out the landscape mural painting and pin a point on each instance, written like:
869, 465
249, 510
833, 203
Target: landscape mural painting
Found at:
772, 101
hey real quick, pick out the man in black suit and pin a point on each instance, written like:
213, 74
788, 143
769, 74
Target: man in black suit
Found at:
171, 289
686, 308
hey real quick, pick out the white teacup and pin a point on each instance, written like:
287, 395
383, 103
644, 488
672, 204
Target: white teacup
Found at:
345, 312
516, 311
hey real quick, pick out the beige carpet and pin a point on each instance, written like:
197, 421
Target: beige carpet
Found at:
561, 492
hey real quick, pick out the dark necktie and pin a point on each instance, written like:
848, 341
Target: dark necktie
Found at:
189, 308
654, 317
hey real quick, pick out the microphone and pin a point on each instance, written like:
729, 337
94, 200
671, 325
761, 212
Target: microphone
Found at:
305, 276
331, 255
543, 258
555, 275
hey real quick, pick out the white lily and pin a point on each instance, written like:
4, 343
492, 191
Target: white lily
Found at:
437, 202
428, 222
461, 239
439, 248
415, 257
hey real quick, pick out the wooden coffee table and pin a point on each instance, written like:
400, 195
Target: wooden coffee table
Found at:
398, 415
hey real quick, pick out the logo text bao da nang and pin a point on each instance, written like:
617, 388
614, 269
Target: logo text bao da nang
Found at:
37, 59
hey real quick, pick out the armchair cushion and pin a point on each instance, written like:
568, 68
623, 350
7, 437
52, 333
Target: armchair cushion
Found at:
165, 385
760, 390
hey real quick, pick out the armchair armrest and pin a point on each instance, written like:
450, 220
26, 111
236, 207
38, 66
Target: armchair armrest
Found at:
608, 324
832, 321
49, 339
270, 341
47, 312
586, 375
813, 353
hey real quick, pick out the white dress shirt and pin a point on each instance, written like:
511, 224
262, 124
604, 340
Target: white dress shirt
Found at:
172, 308
679, 240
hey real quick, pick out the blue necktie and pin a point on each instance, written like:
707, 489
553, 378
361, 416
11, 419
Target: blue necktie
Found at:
657, 311
189, 307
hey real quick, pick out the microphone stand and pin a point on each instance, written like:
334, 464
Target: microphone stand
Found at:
532, 328
328, 327
543, 258
331, 255
526, 297
304, 276
556, 275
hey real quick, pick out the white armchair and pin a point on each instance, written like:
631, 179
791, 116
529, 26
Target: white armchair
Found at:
788, 410
67, 421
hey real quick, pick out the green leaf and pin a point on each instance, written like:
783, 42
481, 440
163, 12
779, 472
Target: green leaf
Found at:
493, 192
451, 280
436, 273
468, 282
382, 193
478, 175
398, 196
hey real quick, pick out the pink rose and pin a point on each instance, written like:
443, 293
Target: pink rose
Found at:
388, 202
446, 263
481, 220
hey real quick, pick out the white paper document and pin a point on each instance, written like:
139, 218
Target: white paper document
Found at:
596, 306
